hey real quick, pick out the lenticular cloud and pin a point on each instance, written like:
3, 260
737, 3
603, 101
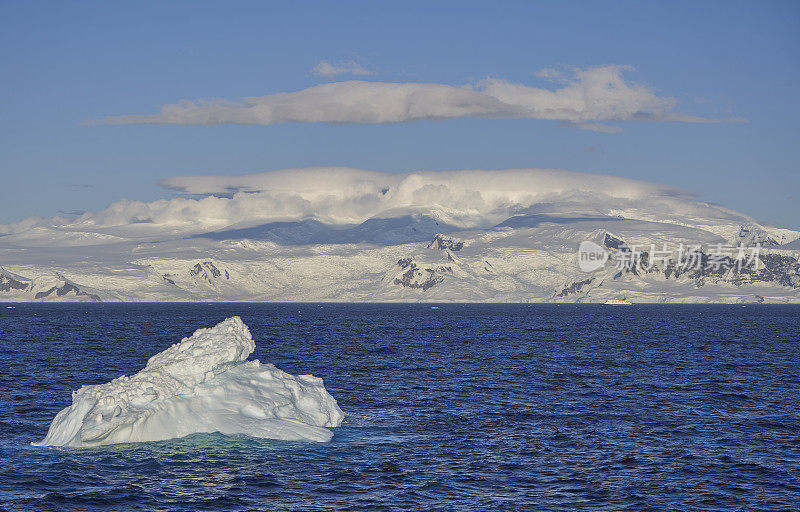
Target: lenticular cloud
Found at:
347, 196
589, 96
467, 198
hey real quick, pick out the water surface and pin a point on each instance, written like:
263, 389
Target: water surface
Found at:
465, 407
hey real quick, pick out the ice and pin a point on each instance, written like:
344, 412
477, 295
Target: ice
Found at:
202, 384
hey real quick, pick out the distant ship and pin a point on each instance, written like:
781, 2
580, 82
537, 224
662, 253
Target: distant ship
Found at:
619, 302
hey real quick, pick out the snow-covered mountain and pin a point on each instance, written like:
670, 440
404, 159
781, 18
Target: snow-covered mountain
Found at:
338, 234
43, 287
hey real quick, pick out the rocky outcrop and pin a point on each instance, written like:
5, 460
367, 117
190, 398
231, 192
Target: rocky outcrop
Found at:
441, 243
767, 268
750, 235
574, 287
48, 287
10, 283
413, 276
612, 242
706, 264
65, 289
698, 265
208, 272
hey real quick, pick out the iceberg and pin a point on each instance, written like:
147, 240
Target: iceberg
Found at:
202, 384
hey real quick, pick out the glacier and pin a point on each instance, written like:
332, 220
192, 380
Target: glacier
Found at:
350, 235
202, 384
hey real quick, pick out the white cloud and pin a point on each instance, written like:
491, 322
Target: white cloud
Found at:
351, 67
549, 73
341, 195
588, 97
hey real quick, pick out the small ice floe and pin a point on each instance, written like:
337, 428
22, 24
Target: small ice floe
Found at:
202, 384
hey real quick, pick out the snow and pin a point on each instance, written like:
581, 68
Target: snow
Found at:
531, 261
298, 235
202, 384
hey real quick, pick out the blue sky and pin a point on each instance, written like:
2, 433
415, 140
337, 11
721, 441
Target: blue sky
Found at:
66, 63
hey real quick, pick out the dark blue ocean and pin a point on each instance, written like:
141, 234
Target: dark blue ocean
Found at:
465, 407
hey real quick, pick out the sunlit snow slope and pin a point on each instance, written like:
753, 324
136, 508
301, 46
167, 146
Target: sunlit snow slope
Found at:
342, 234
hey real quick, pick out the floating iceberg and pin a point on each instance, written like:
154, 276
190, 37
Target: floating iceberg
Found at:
202, 384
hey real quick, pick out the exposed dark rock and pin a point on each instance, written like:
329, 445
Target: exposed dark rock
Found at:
8, 283
574, 287
782, 269
65, 289
701, 266
207, 271
613, 242
749, 237
440, 243
420, 278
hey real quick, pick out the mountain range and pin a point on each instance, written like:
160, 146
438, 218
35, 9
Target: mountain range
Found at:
339, 234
